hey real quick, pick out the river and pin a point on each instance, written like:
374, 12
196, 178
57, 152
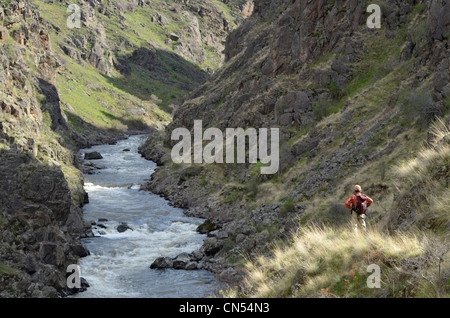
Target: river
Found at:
118, 264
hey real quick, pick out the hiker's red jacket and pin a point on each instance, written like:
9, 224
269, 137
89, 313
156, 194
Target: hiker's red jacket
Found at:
352, 200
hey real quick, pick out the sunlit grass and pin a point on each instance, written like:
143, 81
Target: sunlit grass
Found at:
436, 155
320, 259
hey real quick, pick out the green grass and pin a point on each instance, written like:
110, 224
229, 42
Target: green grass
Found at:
233, 196
255, 170
3, 146
6, 270
219, 104
102, 105
377, 63
141, 85
57, 14
419, 8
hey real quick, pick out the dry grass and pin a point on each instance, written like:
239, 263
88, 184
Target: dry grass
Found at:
437, 154
332, 262
417, 170
441, 204
427, 176
440, 130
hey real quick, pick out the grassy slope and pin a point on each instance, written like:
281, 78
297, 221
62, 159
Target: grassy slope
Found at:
378, 76
105, 106
90, 99
333, 262
97, 101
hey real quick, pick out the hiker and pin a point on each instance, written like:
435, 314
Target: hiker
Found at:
358, 204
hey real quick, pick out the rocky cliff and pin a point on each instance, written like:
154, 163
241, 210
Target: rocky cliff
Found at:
41, 191
351, 103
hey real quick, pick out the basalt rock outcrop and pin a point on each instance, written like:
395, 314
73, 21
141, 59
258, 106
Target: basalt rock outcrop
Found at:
40, 228
41, 191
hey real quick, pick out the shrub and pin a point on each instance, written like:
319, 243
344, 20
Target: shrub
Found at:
322, 108
252, 187
287, 207
427, 175
418, 105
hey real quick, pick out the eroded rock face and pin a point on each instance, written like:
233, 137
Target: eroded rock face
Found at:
439, 19
308, 29
40, 217
36, 207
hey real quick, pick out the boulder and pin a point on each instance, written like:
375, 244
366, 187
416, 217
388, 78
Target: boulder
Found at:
174, 37
162, 20
213, 233
206, 227
162, 263
51, 253
181, 261
123, 227
212, 246
80, 250
30, 264
84, 283
191, 266
228, 275
197, 255
219, 234
83, 287
92, 155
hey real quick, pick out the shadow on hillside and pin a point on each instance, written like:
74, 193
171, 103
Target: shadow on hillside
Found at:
76, 132
86, 134
164, 74
131, 123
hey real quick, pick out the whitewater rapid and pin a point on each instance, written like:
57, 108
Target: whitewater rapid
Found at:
118, 264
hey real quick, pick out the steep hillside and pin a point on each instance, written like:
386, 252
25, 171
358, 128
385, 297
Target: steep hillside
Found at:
352, 104
41, 191
64, 88
332, 262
